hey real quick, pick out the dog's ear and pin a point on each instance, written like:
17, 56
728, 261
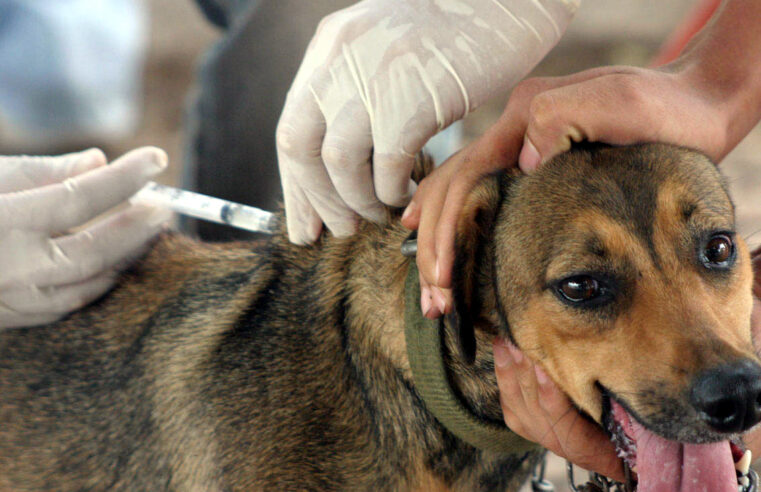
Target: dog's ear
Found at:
472, 240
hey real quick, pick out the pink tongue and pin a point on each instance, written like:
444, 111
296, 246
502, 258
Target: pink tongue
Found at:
667, 466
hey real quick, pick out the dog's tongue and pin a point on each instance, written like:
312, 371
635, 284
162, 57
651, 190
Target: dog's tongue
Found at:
668, 466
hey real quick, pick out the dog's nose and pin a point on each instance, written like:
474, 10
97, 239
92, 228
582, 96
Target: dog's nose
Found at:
728, 398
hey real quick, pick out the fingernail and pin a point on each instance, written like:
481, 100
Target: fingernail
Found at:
425, 300
434, 313
94, 157
529, 159
162, 160
154, 155
342, 231
409, 210
541, 376
314, 229
439, 300
515, 352
501, 356
375, 214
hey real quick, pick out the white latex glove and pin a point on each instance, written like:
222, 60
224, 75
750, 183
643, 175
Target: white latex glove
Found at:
46, 270
378, 80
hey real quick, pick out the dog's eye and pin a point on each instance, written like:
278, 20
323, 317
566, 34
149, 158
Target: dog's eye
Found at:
719, 251
579, 288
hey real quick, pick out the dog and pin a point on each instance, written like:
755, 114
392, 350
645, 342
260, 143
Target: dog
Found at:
270, 366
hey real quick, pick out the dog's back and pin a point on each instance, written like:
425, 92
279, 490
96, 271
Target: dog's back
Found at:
235, 367
275, 367
115, 396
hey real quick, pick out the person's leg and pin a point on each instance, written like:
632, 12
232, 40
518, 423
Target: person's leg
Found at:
243, 80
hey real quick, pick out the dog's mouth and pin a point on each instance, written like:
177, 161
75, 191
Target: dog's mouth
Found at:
669, 466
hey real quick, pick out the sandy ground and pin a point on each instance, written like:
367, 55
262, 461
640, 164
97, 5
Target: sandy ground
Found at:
604, 32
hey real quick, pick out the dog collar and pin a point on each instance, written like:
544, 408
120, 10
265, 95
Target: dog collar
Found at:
426, 357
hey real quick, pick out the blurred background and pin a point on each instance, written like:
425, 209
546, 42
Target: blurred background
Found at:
119, 74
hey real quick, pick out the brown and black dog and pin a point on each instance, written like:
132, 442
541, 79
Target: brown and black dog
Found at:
268, 366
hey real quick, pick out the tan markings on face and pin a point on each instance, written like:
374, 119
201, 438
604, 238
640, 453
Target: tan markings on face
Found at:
577, 347
677, 321
722, 306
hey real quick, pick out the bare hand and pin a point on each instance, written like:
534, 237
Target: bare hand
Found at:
537, 410
618, 105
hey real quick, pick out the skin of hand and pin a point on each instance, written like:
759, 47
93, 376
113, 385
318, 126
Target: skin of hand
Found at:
708, 99
51, 261
382, 77
535, 408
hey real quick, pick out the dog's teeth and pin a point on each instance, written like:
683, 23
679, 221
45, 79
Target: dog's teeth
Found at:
744, 464
744, 482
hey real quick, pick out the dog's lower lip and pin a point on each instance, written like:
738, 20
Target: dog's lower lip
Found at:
625, 444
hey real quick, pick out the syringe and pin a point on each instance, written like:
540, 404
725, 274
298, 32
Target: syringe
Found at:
207, 208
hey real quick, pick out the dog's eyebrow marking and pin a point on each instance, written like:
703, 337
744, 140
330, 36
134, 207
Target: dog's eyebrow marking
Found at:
632, 201
596, 247
688, 209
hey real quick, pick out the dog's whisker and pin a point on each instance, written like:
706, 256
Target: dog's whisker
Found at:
747, 237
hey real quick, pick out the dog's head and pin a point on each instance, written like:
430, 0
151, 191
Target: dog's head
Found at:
620, 272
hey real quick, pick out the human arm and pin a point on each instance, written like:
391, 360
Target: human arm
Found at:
708, 99
49, 265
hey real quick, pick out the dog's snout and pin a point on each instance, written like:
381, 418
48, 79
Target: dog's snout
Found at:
728, 398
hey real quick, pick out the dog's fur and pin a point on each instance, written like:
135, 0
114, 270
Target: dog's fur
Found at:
269, 366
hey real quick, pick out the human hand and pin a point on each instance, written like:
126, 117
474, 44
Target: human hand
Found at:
542, 118
535, 409
378, 80
46, 270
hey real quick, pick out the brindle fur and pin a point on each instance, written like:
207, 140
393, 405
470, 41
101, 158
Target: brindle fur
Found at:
267, 366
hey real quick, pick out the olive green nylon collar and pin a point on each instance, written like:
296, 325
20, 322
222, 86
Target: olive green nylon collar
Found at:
425, 353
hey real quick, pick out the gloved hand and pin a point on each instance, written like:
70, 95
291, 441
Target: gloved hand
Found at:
378, 80
46, 270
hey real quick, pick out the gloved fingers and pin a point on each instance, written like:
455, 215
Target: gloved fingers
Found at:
59, 207
391, 176
299, 145
105, 245
299, 138
340, 219
346, 151
10, 319
304, 225
394, 158
56, 300
20, 173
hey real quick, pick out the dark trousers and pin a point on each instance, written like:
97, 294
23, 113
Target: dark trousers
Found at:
234, 109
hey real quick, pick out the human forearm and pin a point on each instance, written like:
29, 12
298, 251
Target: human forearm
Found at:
723, 63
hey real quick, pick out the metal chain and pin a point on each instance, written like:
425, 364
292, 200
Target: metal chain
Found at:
599, 483
538, 482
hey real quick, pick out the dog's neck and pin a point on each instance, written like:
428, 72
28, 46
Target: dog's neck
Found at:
375, 312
